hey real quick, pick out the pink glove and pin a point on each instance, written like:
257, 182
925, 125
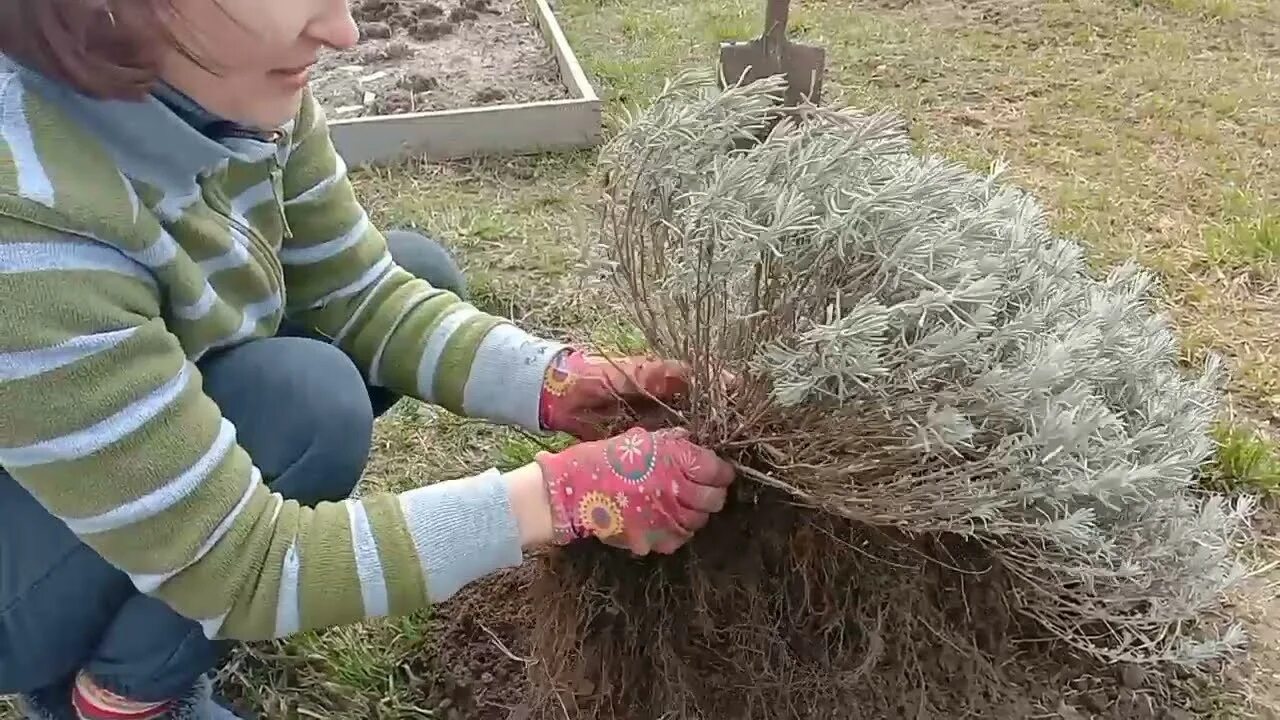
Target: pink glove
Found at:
640, 490
592, 397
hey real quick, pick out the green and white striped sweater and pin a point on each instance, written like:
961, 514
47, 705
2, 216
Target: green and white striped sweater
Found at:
130, 246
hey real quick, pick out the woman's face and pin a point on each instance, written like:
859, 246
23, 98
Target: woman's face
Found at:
257, 53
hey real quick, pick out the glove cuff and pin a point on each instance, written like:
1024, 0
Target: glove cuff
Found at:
557, 469
556, 382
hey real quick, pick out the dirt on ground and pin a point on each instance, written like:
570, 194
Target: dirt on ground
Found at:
483, 666
425, 55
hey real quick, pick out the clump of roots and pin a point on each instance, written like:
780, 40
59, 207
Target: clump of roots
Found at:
809, 616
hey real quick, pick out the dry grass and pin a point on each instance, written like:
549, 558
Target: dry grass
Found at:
1148, 127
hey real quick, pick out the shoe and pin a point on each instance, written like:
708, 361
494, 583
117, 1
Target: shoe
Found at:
200, 703
42, 706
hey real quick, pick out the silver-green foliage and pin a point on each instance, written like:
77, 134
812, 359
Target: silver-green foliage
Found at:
1014, 397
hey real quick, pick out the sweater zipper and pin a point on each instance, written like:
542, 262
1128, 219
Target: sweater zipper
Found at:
254, 243
277, 195
257, 244
275, 172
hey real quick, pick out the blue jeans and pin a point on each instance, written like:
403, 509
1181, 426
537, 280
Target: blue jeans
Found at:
304, 414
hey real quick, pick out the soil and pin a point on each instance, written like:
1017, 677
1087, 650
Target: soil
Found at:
483, 667
424, 55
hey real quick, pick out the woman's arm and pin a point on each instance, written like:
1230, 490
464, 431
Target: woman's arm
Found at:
404, 334
103, 420
530, 506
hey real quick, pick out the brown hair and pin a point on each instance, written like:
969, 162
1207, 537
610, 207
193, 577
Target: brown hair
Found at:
102, 48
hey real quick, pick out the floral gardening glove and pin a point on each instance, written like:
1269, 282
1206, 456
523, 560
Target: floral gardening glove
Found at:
592, 397
643, 491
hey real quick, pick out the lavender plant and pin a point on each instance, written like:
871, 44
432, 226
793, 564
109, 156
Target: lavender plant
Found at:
978, 379
918, 353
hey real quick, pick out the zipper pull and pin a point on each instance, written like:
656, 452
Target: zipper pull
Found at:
277, 194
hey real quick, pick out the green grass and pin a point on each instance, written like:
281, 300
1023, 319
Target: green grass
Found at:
1246, 461
619, 338
1147, 127
1247, 236
520, 450
1211, 10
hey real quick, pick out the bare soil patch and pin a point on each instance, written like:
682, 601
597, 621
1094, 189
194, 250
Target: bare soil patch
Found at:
424, 55
483, 665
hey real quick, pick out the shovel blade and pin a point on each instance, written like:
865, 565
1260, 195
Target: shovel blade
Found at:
803, 66
746, 62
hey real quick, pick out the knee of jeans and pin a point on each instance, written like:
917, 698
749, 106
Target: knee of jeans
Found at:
341, 425
427, 258
302, 410
52, 623
152, 654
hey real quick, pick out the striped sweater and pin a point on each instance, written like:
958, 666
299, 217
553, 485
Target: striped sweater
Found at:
131, 245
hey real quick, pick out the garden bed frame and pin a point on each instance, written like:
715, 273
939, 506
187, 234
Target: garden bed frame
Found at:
508, 129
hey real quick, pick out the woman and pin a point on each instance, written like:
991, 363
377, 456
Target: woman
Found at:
198, 325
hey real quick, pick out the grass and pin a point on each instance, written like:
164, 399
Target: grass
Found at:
1246, 461
1148, 128
1247, 237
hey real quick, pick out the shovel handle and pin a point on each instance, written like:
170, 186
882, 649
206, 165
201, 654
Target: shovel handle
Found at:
775, 21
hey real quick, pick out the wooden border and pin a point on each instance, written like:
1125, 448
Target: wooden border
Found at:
509, 129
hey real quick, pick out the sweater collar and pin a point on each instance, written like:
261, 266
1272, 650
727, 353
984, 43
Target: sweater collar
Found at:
210, 125
165, 140
190, 111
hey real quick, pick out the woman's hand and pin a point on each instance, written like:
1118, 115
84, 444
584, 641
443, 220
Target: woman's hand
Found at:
592, 397
641, 490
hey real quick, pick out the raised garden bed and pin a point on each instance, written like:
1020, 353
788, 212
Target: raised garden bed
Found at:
447, 79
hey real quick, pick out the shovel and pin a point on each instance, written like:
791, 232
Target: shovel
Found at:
773, 54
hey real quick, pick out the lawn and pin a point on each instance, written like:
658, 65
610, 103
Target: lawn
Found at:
1150, 128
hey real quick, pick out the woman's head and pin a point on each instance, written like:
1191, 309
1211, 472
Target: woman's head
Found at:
245, 60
